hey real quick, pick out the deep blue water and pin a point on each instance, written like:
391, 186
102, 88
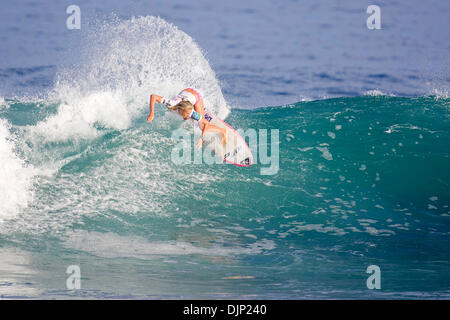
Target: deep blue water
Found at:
358, 128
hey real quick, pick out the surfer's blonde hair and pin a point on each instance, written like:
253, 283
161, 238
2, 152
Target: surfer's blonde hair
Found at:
183, 105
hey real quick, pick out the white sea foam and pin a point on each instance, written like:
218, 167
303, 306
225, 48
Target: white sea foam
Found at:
375, 93
440, 93
77, 119
15, 176
326, 154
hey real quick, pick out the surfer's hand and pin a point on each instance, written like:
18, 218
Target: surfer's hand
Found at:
199, 143
150, 117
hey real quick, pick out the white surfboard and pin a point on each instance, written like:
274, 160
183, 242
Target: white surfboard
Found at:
235, 150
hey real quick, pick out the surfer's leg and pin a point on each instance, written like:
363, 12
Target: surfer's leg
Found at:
214, 128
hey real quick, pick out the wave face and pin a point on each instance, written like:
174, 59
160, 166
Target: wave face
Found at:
361, 181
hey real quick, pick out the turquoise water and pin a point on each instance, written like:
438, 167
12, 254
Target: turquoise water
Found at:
361, 181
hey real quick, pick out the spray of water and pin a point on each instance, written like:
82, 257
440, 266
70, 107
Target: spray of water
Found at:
120, 65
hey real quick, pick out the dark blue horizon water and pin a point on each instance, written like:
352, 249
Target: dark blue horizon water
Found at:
263, 52
364, 132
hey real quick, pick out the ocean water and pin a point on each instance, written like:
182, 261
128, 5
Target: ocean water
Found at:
358, 125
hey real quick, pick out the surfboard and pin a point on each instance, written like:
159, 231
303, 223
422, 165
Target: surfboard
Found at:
235, 150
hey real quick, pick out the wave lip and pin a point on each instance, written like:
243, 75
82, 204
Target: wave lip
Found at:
78, 118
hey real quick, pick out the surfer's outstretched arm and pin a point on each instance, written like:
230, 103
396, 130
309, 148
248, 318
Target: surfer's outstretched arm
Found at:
153, 98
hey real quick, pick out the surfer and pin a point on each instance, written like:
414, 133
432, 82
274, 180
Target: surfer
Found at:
189, 104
